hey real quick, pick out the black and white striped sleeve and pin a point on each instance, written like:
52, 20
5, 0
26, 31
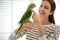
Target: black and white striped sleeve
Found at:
43, 38
15, 36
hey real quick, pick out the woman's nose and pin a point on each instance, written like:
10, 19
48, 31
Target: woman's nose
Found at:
42, 8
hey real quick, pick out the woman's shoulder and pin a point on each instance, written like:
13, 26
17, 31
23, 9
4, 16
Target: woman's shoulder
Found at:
58, 26
57, 29
52, 26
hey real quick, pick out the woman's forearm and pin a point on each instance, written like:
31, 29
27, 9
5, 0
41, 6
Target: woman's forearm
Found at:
37, 21
40, 29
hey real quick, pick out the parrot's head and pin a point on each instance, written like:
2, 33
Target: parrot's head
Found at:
32, 5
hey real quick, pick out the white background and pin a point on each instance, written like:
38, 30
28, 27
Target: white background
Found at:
12, 11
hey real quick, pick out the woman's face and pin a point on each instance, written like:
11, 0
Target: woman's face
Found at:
45, 9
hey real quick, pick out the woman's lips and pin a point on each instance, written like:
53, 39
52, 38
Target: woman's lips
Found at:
42, 13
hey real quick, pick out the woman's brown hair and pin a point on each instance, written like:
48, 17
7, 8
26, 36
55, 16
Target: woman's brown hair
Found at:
53, 7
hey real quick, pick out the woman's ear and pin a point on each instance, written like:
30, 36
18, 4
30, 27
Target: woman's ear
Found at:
51, 13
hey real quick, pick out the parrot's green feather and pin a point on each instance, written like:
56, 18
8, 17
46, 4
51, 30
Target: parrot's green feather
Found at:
24, 22
27, 14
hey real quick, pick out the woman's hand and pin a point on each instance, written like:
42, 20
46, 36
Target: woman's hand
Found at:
38, 23
36, 18
27, 25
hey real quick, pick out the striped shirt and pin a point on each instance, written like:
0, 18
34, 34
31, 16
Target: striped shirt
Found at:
51, 32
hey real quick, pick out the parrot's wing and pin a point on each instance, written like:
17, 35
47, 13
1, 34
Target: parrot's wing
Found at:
25, 16
28, 13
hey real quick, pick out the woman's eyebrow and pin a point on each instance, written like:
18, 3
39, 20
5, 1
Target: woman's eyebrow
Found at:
46, 6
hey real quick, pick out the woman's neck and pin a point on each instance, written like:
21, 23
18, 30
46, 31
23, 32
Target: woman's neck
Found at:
45, 21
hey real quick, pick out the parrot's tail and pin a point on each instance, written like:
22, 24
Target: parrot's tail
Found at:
18, 29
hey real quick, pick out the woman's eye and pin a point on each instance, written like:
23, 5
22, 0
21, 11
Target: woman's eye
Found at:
46, 7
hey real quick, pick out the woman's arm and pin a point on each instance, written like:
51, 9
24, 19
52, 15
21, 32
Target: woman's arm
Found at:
14, 35
38, 23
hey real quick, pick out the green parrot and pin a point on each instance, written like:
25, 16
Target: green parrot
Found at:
26, 16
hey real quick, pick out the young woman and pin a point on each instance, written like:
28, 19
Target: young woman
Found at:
43, 27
